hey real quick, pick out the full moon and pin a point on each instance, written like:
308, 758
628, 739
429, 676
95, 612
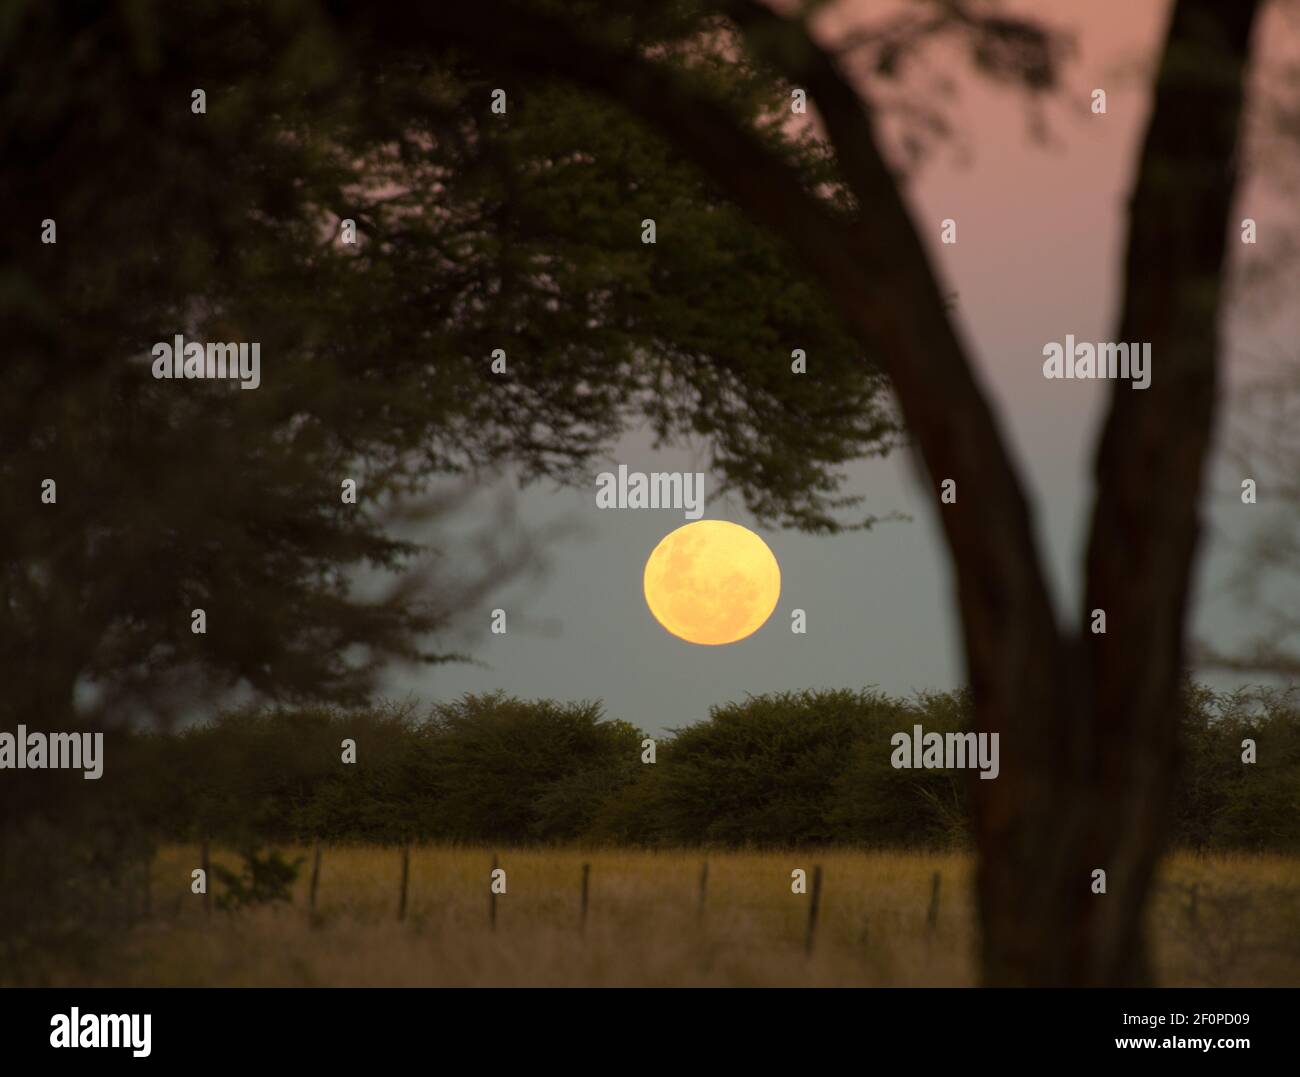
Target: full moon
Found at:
712, 582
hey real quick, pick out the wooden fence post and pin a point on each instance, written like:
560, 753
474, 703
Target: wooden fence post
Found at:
932, 915
315, 879
813, 908
704, 891
586, 882
406, 876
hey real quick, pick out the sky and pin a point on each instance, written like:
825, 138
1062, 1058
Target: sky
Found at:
1038, 256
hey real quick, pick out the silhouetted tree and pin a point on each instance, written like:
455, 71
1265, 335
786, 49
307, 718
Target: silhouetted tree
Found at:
474, 233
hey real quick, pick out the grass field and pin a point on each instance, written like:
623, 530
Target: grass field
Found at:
1231, 920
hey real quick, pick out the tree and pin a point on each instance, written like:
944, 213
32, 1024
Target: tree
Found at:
471, 236
1087, 721
192, 169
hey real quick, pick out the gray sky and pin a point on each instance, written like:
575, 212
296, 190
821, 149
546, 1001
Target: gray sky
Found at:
1040, 234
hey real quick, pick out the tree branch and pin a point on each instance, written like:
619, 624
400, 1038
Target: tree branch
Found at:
874, 268
1150, 460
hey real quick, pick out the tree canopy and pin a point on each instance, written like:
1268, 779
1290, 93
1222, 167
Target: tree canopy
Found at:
475, 232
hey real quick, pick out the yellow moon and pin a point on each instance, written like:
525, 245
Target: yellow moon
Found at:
712, 582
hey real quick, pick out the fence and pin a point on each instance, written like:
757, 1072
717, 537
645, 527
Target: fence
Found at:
583, 883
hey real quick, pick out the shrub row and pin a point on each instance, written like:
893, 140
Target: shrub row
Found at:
775, 770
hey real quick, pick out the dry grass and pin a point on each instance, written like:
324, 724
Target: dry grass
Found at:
644, 925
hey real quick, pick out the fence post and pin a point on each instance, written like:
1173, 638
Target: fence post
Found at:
315, 878
932, 915
813, 908
704, 891
406, 876
586, 880
205, 862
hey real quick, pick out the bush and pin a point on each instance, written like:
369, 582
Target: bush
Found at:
264, 880
795, 768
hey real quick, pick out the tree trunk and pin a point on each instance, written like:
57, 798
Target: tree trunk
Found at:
1104, 772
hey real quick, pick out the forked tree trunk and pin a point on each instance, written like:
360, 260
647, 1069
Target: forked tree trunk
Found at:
1097, 790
